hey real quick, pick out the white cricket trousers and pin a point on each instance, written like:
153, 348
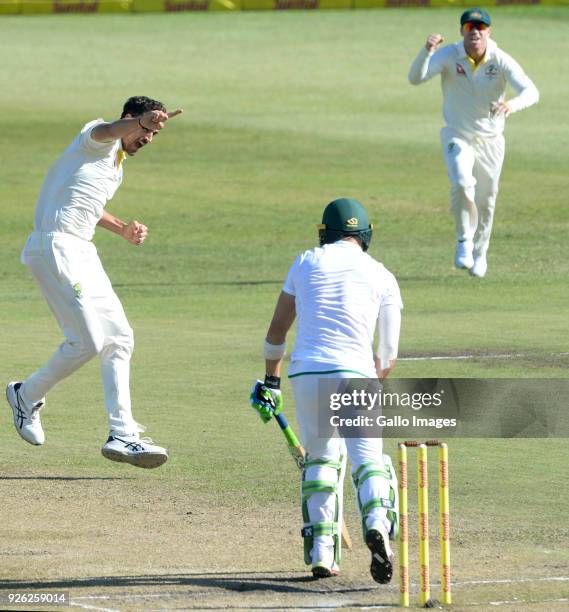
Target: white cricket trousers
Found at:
321, 506
91, 317
474, 165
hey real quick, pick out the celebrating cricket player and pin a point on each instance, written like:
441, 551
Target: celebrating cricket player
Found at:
340, 297
474, 75
64, 263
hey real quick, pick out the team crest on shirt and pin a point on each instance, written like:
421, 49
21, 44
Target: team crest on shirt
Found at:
460, 69
77, 289
491, 71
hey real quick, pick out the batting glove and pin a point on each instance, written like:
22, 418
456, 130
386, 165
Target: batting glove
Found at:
266, 397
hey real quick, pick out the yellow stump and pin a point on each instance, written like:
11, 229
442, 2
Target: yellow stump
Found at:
444, 527
423, 489
403, 529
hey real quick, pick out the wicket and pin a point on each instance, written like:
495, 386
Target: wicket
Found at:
423, 510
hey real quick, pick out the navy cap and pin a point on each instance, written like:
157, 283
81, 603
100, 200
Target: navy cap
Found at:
475, 15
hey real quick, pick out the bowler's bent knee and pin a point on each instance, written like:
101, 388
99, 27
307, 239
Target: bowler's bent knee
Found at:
461, 191
121, 342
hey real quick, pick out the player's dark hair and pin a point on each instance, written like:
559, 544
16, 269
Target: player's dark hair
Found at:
137, 105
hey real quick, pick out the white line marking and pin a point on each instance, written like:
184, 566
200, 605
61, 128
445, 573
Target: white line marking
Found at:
523, 601
139, 595
514, 580
480, 356
343, 589
88, 607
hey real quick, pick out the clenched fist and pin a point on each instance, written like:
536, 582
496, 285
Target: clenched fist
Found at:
500, 108
135, 232
433, 42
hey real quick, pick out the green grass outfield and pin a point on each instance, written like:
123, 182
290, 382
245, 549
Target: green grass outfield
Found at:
284, 112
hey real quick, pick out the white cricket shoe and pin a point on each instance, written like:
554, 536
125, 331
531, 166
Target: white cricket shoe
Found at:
27, 422
463, 255
480, 266
135, 450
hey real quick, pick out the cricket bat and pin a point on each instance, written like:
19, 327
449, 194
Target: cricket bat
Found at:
298, 454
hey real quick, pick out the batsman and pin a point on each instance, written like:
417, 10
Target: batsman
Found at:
342, 298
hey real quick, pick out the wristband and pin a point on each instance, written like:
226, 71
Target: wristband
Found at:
274, 352
272, 382
144, 128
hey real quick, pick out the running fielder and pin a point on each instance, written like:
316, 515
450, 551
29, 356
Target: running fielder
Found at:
340, 296
64, 263
474, 75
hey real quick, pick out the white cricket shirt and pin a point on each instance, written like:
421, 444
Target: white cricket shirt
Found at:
78, 186
468, 93
338, 292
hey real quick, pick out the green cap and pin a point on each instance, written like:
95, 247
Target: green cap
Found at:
475, 15
345, 217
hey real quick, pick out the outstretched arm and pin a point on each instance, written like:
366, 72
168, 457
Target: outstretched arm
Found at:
151, 121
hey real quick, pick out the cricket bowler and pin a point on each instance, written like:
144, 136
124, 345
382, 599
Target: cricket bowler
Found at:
474, 75
64, 263
340, 297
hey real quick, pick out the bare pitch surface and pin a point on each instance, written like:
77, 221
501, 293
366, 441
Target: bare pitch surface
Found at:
115, 539
122, 543
283, 113
284, 591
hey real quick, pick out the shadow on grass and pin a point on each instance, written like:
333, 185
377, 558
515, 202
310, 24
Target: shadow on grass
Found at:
279, 582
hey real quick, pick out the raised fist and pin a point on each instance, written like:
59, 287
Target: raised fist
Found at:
433, 42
